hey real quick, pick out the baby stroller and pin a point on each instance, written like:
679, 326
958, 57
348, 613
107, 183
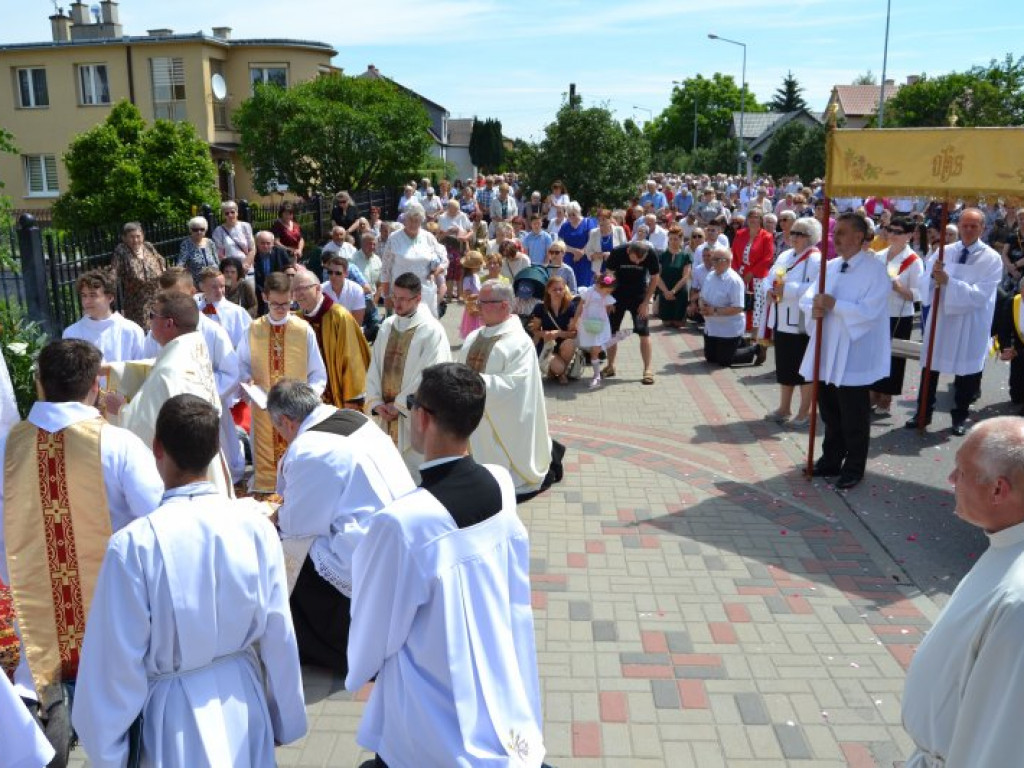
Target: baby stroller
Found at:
529, 286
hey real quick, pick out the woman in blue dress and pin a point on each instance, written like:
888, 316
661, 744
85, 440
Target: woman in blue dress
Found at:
574, 233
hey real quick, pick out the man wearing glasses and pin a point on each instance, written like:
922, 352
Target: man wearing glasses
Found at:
279, 345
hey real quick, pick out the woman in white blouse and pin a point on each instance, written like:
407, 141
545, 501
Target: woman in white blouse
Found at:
600, 241
413, 249
905, 269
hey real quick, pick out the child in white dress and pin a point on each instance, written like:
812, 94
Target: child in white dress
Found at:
594, 329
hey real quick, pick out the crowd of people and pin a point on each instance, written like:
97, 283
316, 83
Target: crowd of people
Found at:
381, 465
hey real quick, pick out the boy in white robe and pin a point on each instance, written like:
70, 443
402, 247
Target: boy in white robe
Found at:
116, 337
964, 693
514, 430
338, 470
230, 316
191, 625
409, 341
25, 746
441, 608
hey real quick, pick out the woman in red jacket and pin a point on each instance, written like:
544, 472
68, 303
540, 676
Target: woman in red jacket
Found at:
753, 252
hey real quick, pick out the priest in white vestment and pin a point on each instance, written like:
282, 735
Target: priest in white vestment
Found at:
441, 609
182, 366
190, 625
338, 470
25, 746
964, 692
968, 279
854, 349
514, 430
409, 341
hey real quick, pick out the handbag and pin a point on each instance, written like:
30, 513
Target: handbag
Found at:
593, 325
577, 364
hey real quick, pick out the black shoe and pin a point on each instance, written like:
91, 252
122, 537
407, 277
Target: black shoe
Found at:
846, 482
960, 428
760, 354
912, 423
821, 470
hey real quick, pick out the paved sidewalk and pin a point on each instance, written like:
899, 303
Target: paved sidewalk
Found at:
697, 602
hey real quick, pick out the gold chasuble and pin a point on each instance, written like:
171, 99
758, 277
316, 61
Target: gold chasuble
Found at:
56, 525
344, 350
278, 352
481, 351
393, 371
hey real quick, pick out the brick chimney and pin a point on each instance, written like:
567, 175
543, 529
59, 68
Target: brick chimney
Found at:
61, 27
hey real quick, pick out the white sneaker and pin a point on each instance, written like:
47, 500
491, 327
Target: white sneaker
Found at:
595, 382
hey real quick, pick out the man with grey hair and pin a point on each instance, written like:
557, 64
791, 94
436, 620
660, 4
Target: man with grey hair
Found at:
269, 258
337, 471
514, 431
964, 690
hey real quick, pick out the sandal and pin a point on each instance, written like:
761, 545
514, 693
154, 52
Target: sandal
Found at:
648, 378
608, 372
563, 379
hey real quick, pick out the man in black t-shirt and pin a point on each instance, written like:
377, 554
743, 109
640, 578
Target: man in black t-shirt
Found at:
636, 271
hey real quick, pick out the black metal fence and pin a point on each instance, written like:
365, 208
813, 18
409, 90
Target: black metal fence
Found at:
51, 260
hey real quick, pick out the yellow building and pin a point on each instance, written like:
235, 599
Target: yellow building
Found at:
55, 90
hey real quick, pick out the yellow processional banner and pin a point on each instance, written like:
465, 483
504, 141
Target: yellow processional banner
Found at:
944, 163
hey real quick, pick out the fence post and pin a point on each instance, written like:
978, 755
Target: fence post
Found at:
207, 213
318, 217
33, 272
243, 210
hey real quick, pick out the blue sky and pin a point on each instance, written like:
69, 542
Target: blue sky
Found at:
514, 61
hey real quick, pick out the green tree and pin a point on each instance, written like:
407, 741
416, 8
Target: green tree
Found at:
990, 95
486, 145
123, 168
715, 99
6, 207
776, 160
807, 155
789, 97
868, 78
522, 158
600, 160
333, 132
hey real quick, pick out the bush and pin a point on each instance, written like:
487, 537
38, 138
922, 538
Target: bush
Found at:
21, 341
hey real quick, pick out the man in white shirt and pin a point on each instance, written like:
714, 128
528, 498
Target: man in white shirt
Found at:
338, 470
969, 278
337, 245
656, 235
441, 609
963, 693
340, 290
190, 637
116, 337
854, 309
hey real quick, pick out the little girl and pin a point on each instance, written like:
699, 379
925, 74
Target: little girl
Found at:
594, 329
471, 264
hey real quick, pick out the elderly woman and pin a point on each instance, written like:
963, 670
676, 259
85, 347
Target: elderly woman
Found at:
344, 213
468, 204
236, 288
782, 241
413, 249
793, 272
906, 270
234, 238
551, 323
137, 266
408, 197
721, 304
455, 229
287, 232
600, 241
575, 233
197, 251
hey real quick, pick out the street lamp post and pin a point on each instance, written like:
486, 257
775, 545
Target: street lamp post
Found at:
885, 64
743, 93
650, 112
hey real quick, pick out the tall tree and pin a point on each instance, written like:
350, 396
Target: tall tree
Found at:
990, 95
789, 97
776, 160
333, 132
600, 160
123, 167
868, 78
710, 102
486, 145
6, 207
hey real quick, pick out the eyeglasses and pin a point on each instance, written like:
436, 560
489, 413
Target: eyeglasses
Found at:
795, 233
412, 403
491, 301
279, 305
153, 315
297, 288
197, 229
336, 272
230, 213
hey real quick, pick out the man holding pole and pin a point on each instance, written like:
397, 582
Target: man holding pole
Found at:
854, 313
967, 283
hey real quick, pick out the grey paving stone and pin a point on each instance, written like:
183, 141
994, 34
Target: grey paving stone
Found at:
679, 642
694, 672
580, 610
605, 631
644, 658
777, 605
666, 694
793, 742
752, 709
849, 614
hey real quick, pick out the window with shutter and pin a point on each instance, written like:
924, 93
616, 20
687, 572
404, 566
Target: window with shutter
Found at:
41, 175
168, 79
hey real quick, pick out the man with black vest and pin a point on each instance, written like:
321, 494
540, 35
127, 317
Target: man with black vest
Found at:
338, 470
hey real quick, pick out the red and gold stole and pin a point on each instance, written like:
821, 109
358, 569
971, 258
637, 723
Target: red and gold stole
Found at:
56, 524
278, 352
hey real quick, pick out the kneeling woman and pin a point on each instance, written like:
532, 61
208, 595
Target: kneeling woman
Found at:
551, 321
793, 272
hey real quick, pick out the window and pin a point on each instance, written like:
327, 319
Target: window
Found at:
32, 88
41, 175
272, 74
168, 77
93, 86
221, 116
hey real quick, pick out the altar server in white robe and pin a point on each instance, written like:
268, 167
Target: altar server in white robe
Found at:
964, 690
224, 360
338, 470
182, 366
25, 746
968, 279
190, 626
212, 304
409, 341
514, 430
854, 348
116, 337
441, 608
